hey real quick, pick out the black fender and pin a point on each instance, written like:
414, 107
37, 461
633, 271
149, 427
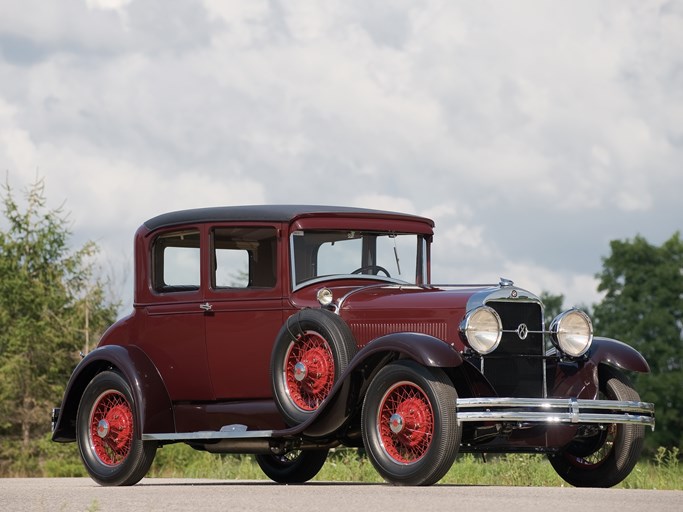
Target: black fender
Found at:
618, 354
154, 411
336, 409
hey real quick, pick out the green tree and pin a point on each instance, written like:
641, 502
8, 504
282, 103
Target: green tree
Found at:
50, 303
643, 306
553, 305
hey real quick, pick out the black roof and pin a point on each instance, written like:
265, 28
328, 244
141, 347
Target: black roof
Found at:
266, 213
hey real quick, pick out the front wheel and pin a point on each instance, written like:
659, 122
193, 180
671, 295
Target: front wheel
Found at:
606, 458
111, 450
409, 424
294, 467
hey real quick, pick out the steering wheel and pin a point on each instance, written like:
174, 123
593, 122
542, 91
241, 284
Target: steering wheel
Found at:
371, 268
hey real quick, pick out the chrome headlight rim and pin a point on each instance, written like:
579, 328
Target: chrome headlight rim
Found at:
569, 341
324, 296
469, 331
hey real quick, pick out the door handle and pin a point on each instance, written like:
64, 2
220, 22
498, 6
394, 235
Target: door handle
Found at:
206, 307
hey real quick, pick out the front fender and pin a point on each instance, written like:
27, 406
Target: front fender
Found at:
424, 349
154, 412
618, 354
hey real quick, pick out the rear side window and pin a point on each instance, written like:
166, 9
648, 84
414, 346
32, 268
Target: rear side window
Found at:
176, 262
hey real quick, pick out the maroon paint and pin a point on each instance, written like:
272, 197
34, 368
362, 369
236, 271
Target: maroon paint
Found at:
213, 366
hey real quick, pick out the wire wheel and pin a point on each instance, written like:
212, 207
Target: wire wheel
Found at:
293, 467
111, 427
312, 350
604, 446
409, 425
309, 370
405, 422
112, 451
609, 456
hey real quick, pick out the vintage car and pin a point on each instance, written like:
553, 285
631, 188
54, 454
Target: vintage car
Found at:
286, 331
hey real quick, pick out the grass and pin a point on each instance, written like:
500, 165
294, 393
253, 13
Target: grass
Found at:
346, 465
661, 471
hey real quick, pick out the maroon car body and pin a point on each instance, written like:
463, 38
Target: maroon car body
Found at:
284, 331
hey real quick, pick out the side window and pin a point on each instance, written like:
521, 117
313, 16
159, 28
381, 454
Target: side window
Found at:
176, 262
244, 257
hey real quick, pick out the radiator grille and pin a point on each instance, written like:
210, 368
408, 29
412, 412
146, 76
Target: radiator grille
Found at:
515, 368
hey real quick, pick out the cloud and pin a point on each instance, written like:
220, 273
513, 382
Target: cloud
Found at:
532, 133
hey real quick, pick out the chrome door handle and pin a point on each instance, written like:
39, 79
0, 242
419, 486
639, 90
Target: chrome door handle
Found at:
206, 306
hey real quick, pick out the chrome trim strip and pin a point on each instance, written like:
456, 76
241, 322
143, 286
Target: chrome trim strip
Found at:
208, 435
555, 410
388, 281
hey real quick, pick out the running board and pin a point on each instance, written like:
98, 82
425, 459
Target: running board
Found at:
226, 432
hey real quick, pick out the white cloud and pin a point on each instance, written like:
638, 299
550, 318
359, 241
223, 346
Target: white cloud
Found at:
507, 123
107, 4
17, 151
383, 202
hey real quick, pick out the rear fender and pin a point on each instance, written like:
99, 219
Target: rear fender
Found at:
154, 412
617, 354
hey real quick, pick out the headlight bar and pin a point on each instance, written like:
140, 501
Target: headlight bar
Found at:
571, 331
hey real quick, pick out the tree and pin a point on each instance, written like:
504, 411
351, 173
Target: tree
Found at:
553, 305
46, 292
643, 306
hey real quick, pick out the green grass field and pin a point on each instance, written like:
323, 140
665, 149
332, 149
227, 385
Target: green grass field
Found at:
662, 471
343, 465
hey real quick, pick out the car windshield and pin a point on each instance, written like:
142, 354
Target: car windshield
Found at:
390, 256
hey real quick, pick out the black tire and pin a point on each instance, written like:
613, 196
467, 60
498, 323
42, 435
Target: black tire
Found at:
311, 351
607, 458
294, 467
409, 425
111, 450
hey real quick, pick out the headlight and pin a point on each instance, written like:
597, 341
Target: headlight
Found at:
481, 329
324, 297
572, 332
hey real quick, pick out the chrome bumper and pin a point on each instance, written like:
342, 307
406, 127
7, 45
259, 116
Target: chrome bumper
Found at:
555, 410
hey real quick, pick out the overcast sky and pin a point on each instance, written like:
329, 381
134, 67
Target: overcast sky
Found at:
532, 132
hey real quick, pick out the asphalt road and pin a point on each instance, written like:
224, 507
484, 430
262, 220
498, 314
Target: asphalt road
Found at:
82, 494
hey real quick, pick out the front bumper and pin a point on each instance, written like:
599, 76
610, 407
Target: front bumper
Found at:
548, 411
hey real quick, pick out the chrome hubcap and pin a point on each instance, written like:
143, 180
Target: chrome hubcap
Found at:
103, 428
300, 371
396, 423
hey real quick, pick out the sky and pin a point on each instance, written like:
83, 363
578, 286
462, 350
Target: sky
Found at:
532, 132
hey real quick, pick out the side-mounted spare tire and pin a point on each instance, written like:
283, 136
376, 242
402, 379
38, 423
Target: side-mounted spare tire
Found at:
311, 351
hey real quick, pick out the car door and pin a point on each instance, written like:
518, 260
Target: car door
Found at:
174, 333
246, 309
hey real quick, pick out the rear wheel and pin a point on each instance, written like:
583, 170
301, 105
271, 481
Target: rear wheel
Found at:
409, 423
294, 467
606, 458
111, 450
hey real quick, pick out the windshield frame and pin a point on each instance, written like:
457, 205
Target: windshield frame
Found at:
419, 259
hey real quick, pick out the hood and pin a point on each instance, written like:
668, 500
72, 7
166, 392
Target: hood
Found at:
437, 310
